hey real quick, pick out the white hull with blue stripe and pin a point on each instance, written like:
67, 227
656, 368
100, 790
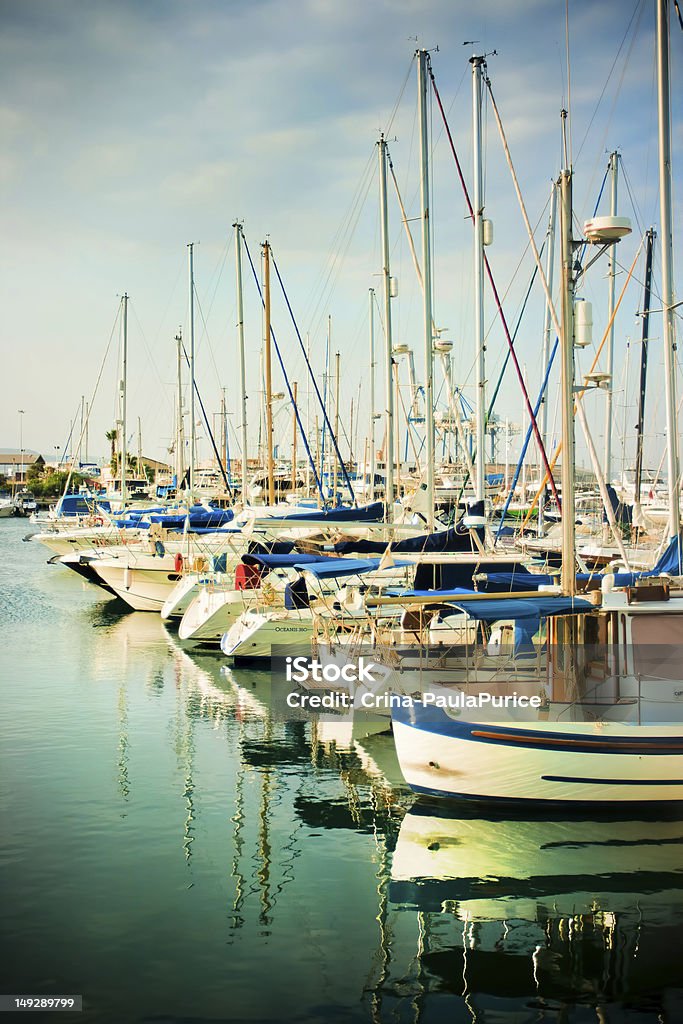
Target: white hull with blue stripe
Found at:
540, 761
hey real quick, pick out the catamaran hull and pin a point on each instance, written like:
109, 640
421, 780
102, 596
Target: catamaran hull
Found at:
538, 762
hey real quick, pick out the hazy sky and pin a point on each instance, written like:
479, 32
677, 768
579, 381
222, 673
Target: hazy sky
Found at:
132, 128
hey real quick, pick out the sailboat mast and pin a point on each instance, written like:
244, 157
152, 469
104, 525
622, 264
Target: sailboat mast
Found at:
269, 377
294, 436
335, 474
643, 369
180, 427
568, 578
547, 328
666, 227
371, 431
386, 288
614, 167
193, 428
478, 64
427, 285
243, 369
124, 381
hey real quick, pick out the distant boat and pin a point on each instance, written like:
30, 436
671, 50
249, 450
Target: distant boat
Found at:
6, 506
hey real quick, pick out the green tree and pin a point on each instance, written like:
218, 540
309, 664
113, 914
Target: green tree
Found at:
112, 436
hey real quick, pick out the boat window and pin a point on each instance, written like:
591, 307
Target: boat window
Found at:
657, 645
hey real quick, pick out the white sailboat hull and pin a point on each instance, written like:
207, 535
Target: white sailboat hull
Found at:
547, 762
144, 588
210, 615
255, 634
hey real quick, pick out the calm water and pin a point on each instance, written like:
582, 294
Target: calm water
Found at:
173, 852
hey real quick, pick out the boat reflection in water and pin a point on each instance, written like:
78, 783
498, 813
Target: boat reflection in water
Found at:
528, 920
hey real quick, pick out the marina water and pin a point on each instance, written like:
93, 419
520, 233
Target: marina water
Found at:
173, 849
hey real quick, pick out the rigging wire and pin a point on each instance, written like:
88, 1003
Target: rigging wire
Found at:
284, 372
324, 411
117, 319
492, 283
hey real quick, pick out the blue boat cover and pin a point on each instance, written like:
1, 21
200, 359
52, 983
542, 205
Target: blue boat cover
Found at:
80, 505
455, 539
199, 516
534, 608
296, 558
373, 513
329, 567
520, 579
622, 513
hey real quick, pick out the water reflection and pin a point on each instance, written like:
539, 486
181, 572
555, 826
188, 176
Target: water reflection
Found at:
541, 914
296, 844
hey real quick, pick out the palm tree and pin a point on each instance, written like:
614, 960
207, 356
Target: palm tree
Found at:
112, 437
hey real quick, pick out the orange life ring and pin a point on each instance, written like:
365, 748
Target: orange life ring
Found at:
179, 562
99, 521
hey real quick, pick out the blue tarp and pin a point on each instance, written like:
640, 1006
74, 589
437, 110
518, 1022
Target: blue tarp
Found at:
622, 513
373, 513
525, 608
80, 505
521, 579
454, 539
288, 561
199, 516
330, 567
492, 609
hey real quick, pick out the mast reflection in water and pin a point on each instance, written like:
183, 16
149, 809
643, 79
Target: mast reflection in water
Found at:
542, 919
175, 850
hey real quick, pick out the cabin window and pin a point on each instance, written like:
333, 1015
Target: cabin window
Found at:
657, 644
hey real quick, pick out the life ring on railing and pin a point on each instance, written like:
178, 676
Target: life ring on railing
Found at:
179, 562
98, 521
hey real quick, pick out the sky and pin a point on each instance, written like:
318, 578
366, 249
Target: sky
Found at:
130, 129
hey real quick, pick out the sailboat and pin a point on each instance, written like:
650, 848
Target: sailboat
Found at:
608, 727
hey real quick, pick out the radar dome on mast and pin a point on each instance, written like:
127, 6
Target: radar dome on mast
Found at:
603, 230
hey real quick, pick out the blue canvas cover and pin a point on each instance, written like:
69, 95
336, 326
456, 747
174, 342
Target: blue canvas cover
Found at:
373, 513
80, 505
331, 567
286, 561
670, 562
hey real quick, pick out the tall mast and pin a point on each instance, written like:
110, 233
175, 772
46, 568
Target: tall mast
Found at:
193, 428
243, 370
371, 432
478, 202
427, 289
386, 289
568, 577
224, 430
614, 166
269, 378
664, 109
547, 328
294, 432
124, 380
80, 436
643, 370
180, 425
335, 476
308, 415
